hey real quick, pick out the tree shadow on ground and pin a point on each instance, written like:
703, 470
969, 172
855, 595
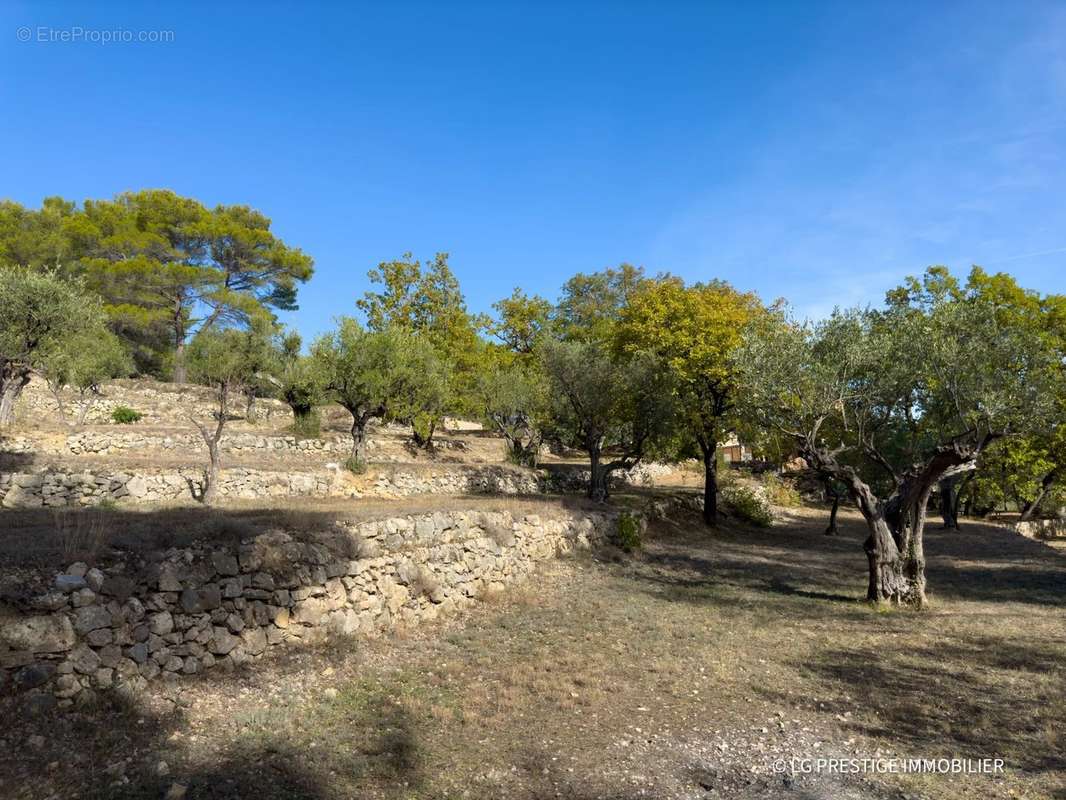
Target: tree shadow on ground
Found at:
975, 698
113, 749
984, 563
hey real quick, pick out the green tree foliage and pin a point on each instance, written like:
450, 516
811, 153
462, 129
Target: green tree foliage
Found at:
167, 267
300, 383
621, 408
84, 361
591, 304
40, 313
513, 395
695, 332
426, 300
521, 320
225, 359
36, 238
914, 394
388, 373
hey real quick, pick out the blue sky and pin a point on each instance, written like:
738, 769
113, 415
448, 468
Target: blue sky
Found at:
817, 151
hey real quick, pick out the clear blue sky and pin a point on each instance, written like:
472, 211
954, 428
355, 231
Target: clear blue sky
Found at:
818, 151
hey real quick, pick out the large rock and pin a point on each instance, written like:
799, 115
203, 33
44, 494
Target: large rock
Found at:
222, 641
50, 633
90, 618
310, 611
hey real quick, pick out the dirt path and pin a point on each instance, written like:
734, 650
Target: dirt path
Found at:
686, 672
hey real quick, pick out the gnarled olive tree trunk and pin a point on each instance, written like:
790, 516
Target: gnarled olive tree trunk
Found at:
885, 579
13, 379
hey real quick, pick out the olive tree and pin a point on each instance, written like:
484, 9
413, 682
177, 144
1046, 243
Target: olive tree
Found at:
39, 314
620, 409
83, 362
917, 391
388, 373
513, 395
226, 360
300, 383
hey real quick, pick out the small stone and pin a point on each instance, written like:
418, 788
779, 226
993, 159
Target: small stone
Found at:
84, 659
168, 580
89, 618
33, 676
176, 792
36, 742
222, 642
78, 568
95, 579
118, 586
173, 664
99, 637
83, 597
69, 583
103, 678
138, 652
224, 563
161, 624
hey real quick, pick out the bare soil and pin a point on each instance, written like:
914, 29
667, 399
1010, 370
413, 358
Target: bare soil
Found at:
685, 671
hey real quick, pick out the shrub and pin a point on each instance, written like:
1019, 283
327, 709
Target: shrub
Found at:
780, 492
629, 532
750, 505
124, 415
307, 426
355, 465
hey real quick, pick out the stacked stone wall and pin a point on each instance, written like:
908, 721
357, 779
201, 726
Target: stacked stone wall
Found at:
210, 606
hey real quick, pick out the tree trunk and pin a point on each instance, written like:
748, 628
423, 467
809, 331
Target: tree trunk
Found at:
831, 529
948, 505
12, 381
212, 441
359, 439
885, 583
914, 553
87, 402
249, 408
180, 374
57, 393
597, 489
426, 441
710, 483
213, 470
1031, 507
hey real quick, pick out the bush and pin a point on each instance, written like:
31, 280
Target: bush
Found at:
780, 492
355, 465
750, 505
124, 415
629, 532
307, 426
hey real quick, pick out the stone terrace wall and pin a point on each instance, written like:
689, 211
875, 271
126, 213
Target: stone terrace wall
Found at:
64, 488
158, 403
99, 443
202, 607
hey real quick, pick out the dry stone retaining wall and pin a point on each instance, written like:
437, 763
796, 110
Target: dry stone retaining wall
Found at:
192, 609
65, 488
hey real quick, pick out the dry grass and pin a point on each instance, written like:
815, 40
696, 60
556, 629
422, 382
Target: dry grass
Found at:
694, 664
